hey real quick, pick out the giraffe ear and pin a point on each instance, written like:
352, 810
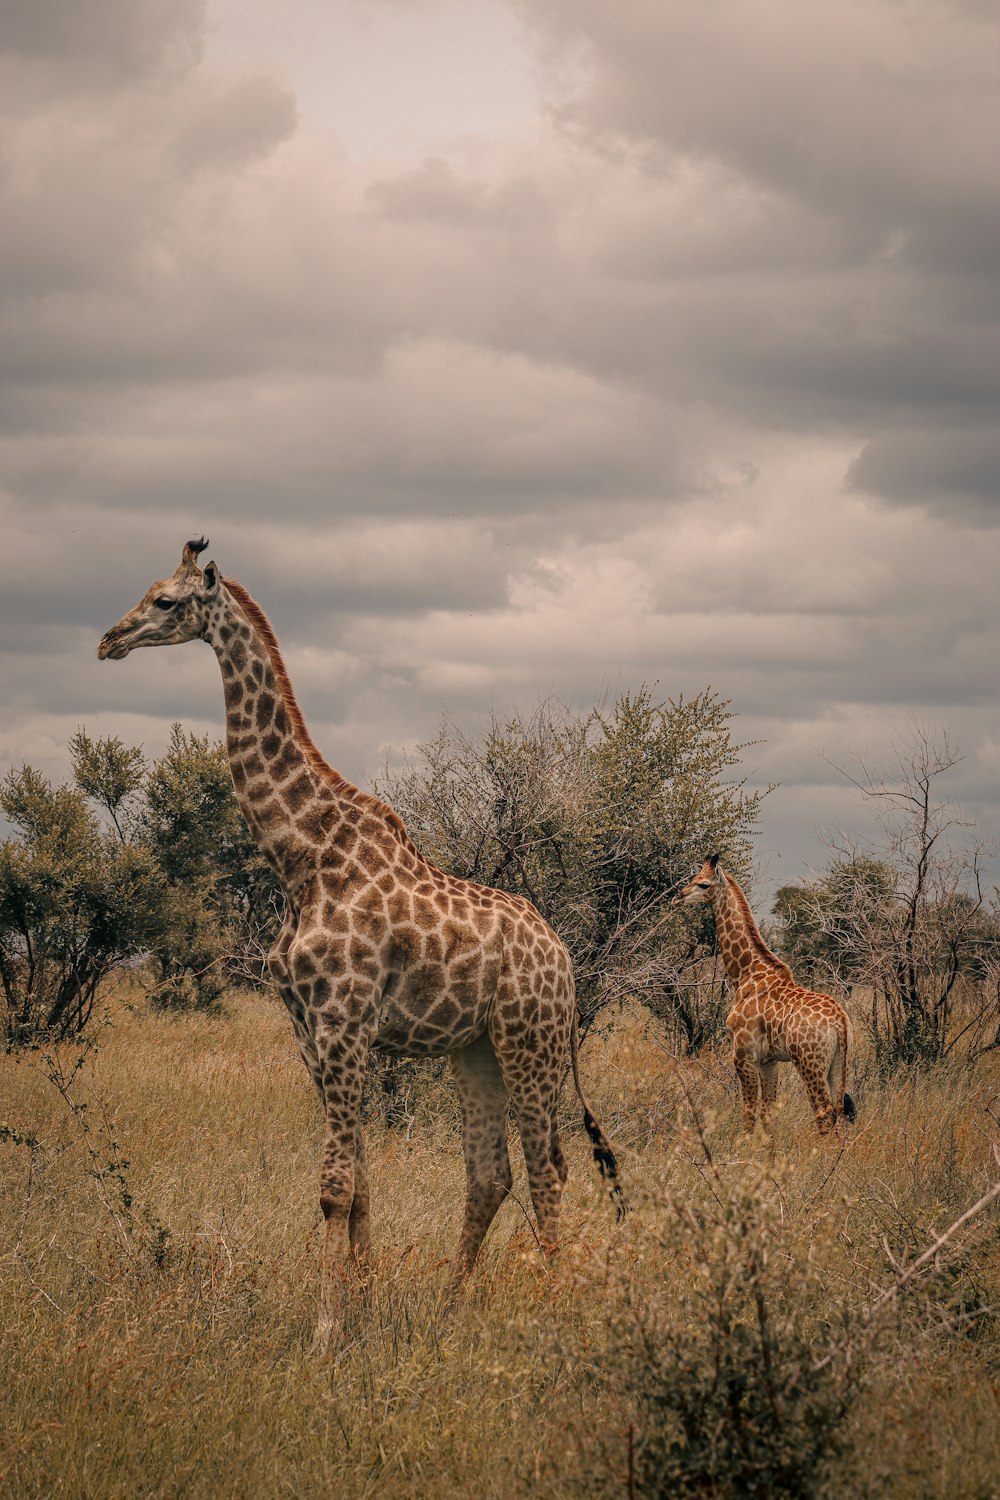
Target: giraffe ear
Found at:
210, 577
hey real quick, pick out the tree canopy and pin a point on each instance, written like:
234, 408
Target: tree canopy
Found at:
594, 816
133, 860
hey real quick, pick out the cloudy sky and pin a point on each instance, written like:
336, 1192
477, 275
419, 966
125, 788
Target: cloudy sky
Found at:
508, 347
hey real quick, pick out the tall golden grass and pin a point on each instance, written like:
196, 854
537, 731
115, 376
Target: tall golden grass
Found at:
159, 1239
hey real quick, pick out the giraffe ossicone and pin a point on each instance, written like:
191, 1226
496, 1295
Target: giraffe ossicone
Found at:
378, 949
772, 1019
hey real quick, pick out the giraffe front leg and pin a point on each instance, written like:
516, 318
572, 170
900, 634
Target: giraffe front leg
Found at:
306, 1041
746, 1072
359, 1220
277, 962
343, 1034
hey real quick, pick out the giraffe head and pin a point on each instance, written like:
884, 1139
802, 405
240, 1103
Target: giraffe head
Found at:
704, 887
171, 611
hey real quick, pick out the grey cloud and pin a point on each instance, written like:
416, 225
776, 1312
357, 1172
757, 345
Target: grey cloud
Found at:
79, 566
701, 291
436, 192
863, 136
98, 43
956, 467
349, 567
100, 203
856, 108
126, 28
447, 428
238, 122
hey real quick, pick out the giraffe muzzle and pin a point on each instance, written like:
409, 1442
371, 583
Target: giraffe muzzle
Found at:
112, 645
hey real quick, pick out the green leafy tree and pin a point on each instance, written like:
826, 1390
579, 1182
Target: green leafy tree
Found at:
223, 902
218, 906
75, 902
594, 816
111, 774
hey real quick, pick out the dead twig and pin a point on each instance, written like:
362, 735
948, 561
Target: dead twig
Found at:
904, 1278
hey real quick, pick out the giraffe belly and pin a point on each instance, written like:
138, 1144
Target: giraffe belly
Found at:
761, 1041
420, 1020
773, 1042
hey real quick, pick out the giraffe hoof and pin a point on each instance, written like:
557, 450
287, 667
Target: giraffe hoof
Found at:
325, 1334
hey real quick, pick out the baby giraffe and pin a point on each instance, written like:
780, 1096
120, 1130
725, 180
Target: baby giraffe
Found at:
773, 1019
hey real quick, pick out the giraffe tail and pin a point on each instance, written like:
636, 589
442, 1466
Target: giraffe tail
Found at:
607, 1163
846, 1037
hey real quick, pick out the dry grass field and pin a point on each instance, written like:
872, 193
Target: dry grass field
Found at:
159, 1267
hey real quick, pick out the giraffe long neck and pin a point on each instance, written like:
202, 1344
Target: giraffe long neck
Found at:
740, 942
292, 810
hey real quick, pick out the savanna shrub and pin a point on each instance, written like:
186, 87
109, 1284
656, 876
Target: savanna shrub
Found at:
728, 1371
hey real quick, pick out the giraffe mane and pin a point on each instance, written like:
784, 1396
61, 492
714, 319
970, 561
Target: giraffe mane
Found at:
265, 630
753, 931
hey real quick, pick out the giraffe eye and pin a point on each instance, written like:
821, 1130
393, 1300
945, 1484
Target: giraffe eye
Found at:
704, 885
163, 602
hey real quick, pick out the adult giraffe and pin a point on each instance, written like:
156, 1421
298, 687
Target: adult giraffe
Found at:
773, 1019
378, 948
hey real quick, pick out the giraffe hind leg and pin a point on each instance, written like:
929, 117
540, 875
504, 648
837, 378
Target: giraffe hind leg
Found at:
546, 1167
483, 1098
558, 1156
768, 1090
815, 1079
535, 1100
